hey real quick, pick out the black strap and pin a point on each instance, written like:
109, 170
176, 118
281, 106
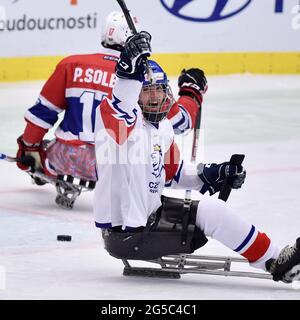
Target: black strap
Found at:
187, 204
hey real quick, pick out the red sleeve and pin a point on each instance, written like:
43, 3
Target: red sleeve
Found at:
55, 87
172, 159
190, 105
33, 134
173, 111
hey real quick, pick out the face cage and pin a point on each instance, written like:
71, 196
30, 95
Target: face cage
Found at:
161, 104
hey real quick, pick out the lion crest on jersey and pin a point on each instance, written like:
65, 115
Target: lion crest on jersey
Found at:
157, 161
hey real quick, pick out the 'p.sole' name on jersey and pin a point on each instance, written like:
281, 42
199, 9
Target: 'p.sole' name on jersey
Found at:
95, 76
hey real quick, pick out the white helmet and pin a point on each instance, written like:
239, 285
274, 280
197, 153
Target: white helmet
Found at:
115, 30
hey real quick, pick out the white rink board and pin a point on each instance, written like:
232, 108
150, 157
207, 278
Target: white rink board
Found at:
258, 27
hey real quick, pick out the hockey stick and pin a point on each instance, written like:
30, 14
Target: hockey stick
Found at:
188, 193
196, 135
132, 27
236, 159
67, 189
7, 158
39, 177
26, 160
127, 15
30, 162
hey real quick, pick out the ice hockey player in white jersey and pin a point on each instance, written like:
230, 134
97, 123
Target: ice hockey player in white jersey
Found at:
137, 156
75, 89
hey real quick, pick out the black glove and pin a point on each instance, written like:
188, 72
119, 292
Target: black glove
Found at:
131, 63
192, 82
213, 176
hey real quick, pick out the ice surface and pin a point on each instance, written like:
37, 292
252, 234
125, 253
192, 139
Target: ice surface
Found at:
255, 115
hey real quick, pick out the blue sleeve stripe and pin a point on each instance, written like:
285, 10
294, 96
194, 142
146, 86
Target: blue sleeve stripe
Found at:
180, 122
37, 121
42, 112
178, 174
48, 104
184, 123
168, 184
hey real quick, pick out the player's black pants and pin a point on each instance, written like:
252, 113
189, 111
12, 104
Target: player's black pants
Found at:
171, 230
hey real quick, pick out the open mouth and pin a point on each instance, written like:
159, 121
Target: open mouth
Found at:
153, 106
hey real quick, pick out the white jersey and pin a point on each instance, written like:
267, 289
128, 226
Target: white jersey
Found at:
134, 160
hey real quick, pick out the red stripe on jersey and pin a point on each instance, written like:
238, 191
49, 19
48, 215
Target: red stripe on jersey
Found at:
74, 142
190, 105
115, 127
258, 248
172, 158
173, 111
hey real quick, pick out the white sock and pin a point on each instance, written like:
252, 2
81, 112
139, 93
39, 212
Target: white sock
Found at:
219, 222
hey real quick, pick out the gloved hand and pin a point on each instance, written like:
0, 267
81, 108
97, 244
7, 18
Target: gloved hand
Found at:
26, 151
213, 176
136, 49
192, 82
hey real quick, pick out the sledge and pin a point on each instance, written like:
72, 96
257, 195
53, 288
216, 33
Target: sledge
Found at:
173, 266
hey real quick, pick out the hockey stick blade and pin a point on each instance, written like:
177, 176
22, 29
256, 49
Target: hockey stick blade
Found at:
236, 159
